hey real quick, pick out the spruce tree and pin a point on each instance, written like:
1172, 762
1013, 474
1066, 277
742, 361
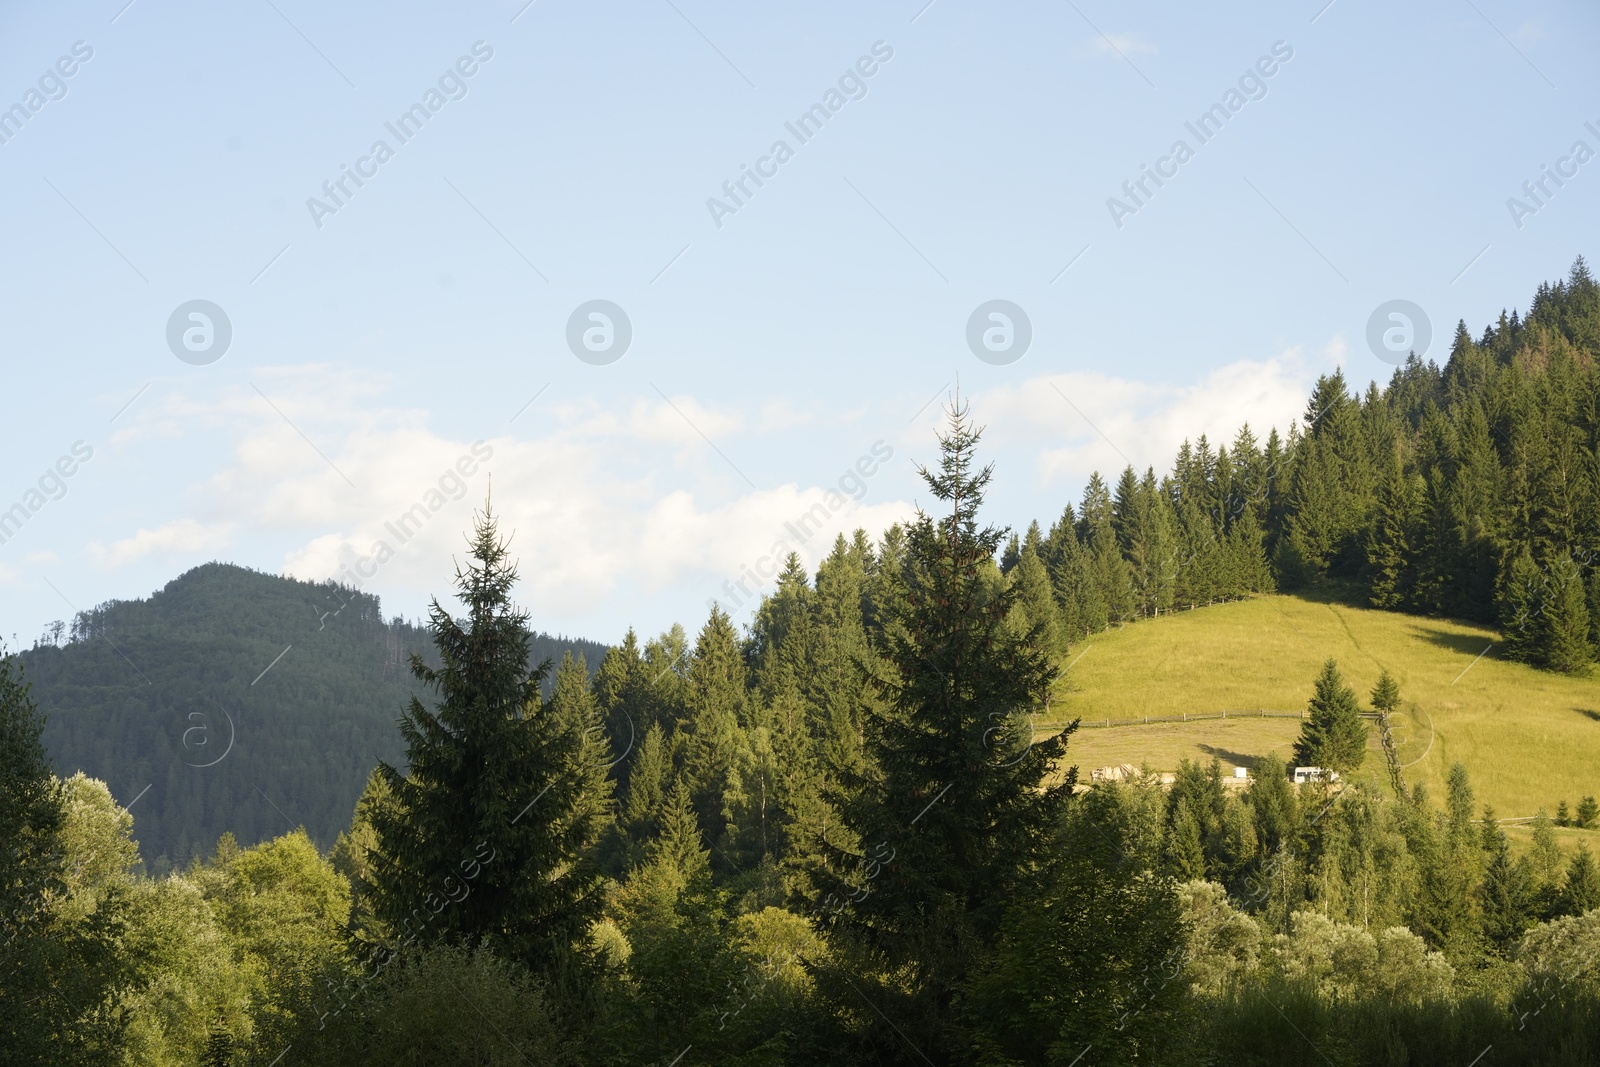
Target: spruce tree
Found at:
1388, 542
1508, 896
1334, 737
1521, 605
1567, 645
1581, 894
487, 838
1586, 814
955, 811
1038, 603
709, 733
1386, 694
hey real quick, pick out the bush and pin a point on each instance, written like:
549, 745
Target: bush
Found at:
439, 1007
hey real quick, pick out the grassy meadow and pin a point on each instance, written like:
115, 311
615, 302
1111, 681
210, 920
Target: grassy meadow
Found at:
1529, 738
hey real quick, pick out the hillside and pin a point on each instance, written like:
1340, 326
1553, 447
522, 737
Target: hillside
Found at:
233, 700
1530, 738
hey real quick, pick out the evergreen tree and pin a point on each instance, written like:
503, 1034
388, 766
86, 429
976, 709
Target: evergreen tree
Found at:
1587, 812
645, 798
488, 835
1333, 737
1273, 805
1389, 543
953, 813
708, 735
1581, 894
1567, 645
1509, 898
1037, 603
622, 695
1386, 694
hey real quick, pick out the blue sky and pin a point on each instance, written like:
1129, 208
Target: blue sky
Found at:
772, 347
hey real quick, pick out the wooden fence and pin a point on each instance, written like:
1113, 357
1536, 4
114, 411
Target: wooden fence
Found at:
1147, 720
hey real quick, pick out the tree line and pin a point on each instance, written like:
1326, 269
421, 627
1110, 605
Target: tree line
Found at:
835, 838
1470, 490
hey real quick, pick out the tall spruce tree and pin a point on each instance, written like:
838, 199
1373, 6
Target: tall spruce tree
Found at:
709, 733
954, 812
1567, 646
1333, 737
1581, 893
487, 837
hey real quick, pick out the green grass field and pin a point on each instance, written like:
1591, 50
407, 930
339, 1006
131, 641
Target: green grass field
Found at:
1529, 738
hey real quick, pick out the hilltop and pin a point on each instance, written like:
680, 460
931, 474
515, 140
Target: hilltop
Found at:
233, 700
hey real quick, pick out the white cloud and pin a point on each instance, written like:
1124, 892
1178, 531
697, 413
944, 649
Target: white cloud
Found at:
607, 500
7, 575
1119, 421
181, 536
41, 559
617, 506
590, 521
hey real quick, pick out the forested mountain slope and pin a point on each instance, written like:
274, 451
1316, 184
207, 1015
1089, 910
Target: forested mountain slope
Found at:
1469, 490
185, 693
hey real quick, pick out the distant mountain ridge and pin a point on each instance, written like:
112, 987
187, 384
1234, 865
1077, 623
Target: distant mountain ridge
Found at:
234, 700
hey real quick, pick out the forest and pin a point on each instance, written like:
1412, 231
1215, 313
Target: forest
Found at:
229, 692
839, 836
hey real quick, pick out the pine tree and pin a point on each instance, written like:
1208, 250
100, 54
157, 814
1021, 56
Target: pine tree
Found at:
1389, 542
953, 811
644, 799
708, 735
622, 694
1386, 694
1508, 896
1273, 806
1567, 645
488, 835
1587, 812
1334, 737
1581, 894
1038, 603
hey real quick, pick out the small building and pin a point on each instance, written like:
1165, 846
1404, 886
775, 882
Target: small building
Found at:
1313, 774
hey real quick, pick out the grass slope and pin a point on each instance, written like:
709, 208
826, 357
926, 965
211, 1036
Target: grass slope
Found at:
1529, 738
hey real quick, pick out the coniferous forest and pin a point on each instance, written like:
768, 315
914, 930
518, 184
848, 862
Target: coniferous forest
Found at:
841, 837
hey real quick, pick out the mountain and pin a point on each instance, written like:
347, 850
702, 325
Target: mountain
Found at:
233, 700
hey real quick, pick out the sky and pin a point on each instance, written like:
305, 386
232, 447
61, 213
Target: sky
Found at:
219, 344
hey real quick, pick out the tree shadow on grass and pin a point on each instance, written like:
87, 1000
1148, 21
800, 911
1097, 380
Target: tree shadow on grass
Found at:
1466, 644
1589, 713
1238, 759
1333, 591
